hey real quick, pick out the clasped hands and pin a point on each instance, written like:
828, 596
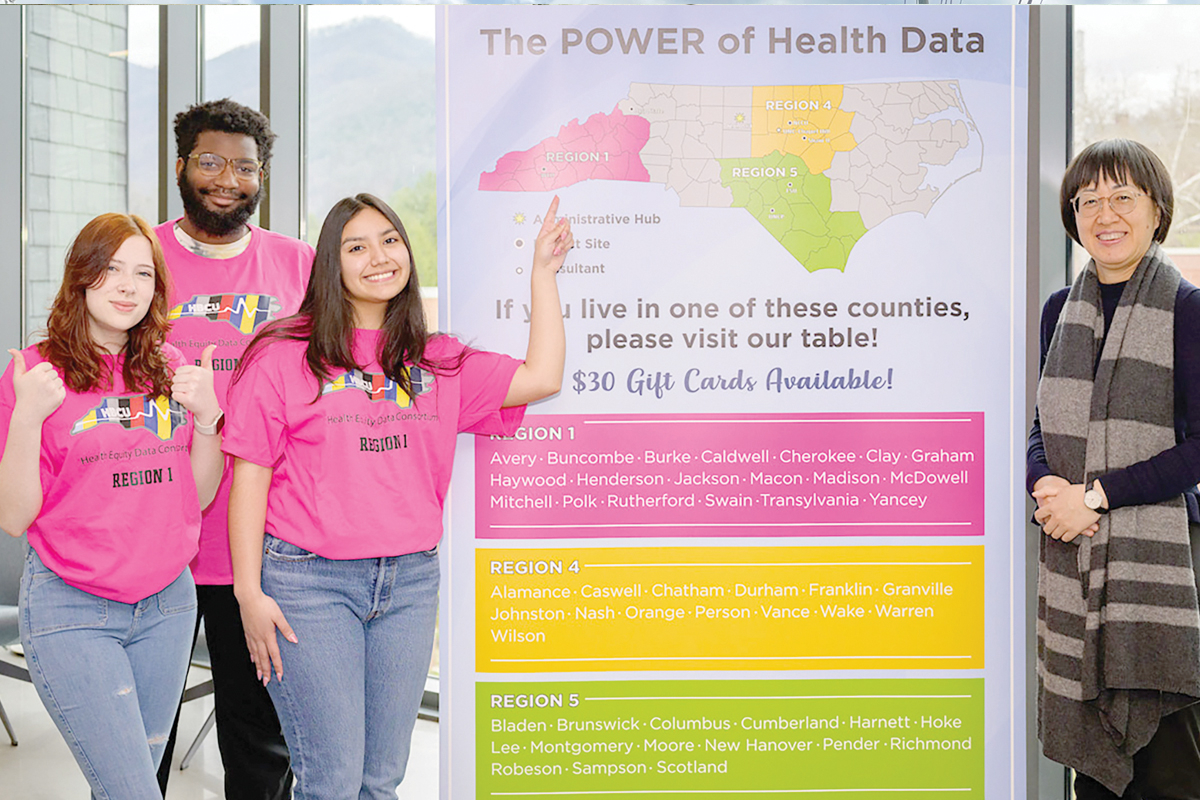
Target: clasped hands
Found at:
1061, 511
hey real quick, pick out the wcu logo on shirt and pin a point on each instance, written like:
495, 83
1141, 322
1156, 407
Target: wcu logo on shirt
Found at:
160, 415
381, 388
246, 312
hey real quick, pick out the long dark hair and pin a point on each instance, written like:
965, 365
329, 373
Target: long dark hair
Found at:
326, 316
68, 344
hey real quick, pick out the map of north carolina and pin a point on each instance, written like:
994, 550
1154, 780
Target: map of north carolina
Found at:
817, 166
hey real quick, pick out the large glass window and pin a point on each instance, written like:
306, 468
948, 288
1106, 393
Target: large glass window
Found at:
371, 117
142, 111
1119, 92
232, 35
76, 140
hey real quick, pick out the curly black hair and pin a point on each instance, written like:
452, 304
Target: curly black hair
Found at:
225, 116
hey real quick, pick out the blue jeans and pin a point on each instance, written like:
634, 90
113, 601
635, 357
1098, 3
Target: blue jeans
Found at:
109, 673
352, 684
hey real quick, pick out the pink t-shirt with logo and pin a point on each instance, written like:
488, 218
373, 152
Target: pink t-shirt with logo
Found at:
120, 515
225, 302
363, 471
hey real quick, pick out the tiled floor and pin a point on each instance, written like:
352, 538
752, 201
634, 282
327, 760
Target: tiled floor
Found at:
41, 767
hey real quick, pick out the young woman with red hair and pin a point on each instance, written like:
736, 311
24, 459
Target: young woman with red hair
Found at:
104, 466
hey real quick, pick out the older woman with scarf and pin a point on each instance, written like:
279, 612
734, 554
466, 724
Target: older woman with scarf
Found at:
1113, 462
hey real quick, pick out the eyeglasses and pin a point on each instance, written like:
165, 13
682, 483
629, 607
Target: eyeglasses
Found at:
212, 165
1121, 203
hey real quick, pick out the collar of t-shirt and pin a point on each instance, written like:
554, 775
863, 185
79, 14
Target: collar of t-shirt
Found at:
230, 250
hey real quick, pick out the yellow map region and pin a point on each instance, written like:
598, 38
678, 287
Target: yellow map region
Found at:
804, 120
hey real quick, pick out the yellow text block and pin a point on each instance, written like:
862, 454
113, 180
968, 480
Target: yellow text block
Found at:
689, 608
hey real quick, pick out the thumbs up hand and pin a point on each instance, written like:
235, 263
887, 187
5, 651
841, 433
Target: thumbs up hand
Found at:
192, 388
206, 357
39, 391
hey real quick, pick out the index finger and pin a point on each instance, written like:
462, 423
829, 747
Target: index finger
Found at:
551, 218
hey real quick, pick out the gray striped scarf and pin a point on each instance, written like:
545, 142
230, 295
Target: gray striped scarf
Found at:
1118, 626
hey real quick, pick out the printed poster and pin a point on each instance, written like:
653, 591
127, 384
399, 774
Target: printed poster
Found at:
762, 542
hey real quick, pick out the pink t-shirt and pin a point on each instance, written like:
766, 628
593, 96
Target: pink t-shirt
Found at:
225, 302
363, 472
120, 515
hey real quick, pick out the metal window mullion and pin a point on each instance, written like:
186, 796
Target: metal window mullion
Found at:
13, 219
180, 84
1050, 35
282, 94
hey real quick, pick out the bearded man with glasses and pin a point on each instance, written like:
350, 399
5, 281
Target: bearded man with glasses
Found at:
230, 278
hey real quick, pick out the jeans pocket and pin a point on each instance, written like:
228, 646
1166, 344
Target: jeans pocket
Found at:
179, 597
51, 606
277, 549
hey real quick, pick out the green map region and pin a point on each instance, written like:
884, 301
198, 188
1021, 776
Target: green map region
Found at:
794, 206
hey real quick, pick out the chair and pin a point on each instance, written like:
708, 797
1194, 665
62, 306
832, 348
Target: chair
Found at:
200, 658
12, 563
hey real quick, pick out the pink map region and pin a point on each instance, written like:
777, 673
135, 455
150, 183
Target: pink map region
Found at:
605, 148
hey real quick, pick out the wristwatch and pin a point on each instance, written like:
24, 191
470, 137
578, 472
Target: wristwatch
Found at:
1093, 500
213, 427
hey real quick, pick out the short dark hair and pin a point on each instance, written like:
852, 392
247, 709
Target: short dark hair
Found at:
1118, 160
224, 116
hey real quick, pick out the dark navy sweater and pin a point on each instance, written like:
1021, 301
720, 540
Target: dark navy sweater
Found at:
1171, 472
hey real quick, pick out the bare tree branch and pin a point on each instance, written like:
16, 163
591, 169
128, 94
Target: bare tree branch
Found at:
1182, 186
1183, 130
1188, 221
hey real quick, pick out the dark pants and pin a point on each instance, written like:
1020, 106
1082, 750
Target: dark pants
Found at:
1168, 768
253, 750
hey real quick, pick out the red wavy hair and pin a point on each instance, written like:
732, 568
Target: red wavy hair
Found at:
69, 345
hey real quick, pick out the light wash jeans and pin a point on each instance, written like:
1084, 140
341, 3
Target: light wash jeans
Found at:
110, 674
352, 684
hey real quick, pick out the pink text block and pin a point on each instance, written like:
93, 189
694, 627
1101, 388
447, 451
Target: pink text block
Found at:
571, 476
